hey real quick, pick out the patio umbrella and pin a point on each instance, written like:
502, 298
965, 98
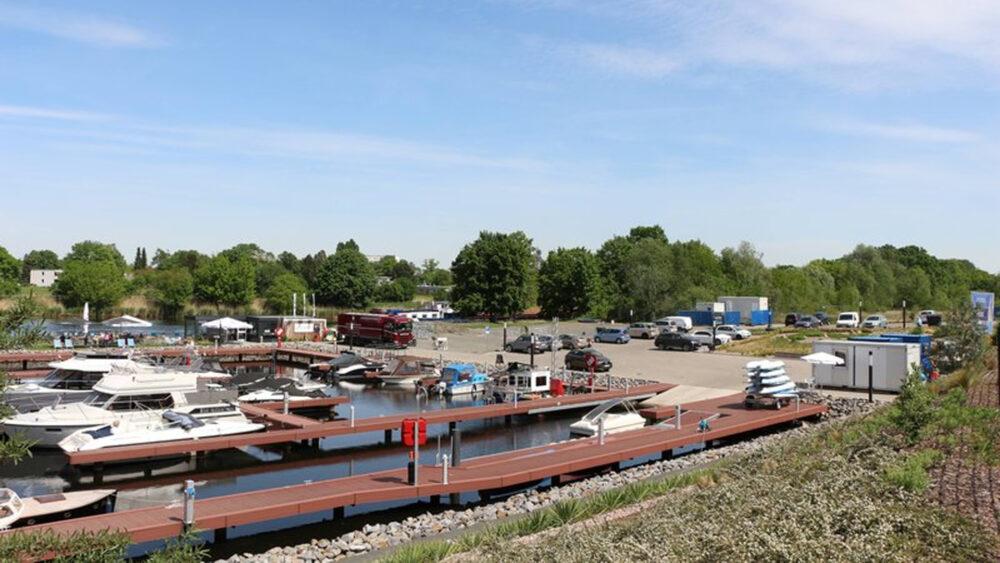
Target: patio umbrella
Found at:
823, 359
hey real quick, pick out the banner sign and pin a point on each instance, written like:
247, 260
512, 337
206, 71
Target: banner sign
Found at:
982, 303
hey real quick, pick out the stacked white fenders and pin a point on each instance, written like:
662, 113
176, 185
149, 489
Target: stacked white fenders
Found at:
767, 379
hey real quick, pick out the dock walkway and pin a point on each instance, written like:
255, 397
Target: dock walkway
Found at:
481, 474
362, 425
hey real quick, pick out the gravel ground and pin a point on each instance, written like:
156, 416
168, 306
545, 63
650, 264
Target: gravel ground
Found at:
382, 536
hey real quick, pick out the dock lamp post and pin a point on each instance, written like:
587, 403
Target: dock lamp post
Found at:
871, 376
711, 313
904, 314
189, 494
861, 313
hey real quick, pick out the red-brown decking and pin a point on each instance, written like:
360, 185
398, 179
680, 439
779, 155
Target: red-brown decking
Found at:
372, 424
491, 472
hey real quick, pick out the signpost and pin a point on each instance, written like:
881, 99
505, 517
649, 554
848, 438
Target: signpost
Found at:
591, 361
414, 434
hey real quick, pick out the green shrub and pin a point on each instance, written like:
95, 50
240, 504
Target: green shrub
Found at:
911, 475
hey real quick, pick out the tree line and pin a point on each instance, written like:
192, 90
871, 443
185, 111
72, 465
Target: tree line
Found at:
644, 275
97, 273
640, 275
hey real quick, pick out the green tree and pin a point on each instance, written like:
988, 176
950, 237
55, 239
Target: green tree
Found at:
494, 274
266, 273
403, 269
569, 284
310, 265
960, 341
290, 262
278, 297
432, 274
187, 259
10, 273
101, 283
346, 279
647, 279
171, 290
137, 261
399, 290
93, 251
744, 268
38, 260
221, 281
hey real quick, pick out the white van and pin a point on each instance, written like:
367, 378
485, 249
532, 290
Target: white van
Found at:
848, 319
682, 324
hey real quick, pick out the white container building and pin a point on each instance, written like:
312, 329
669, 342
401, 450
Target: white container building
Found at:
891, 362
745, 305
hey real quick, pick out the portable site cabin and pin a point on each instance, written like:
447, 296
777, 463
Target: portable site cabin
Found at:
891, 362
751, 309
298, 327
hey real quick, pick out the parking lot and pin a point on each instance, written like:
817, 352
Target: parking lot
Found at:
637, 358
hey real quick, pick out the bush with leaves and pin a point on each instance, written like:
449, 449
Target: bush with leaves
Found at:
960, 341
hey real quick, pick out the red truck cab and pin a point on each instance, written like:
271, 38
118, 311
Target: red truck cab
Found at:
372, 329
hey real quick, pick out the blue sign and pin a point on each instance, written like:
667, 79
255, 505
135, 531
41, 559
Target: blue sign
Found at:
982, 304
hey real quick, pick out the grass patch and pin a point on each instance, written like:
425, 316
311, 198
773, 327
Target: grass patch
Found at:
911, 474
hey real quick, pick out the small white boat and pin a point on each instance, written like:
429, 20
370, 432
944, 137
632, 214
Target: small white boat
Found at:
407, 371
626, 419
776, 389
172, 426
16, 511
267, 395
769, 380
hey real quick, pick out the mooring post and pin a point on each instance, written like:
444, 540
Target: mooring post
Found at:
600, 431
456, 444
352, 416
284, 402
220, 534
444, 469
189, 494
388, 435
678, 417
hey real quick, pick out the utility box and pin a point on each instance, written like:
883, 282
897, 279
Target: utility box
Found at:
745, 306
891, 362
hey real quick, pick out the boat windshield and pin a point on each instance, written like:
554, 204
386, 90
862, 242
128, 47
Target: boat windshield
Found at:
102, 432
71, 379
96, 399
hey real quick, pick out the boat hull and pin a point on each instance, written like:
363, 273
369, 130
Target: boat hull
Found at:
101, 506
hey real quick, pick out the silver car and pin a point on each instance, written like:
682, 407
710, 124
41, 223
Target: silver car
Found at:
875, 321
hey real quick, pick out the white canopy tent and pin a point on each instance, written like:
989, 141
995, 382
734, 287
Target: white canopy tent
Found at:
127, 321
227, 326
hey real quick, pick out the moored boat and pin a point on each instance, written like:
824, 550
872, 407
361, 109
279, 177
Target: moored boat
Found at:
16, 511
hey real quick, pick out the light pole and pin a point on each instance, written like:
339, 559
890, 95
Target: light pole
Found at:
904, 315
871, 377
861, 314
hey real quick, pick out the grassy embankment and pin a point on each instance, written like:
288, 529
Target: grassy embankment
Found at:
858, 490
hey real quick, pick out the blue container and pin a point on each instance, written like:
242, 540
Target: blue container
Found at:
732, 317
924, 340
698, 318
760, 317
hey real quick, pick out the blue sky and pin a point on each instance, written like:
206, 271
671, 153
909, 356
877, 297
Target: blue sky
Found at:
805, 127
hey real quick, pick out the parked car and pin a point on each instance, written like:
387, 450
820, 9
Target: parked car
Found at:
705, 337
807, 321
669, 340
875, 321
927, 317
733, 331
683, 324
848, 319
643, 330
543, 343
577, 360
614, 335
792, 318
571, 341
822, 317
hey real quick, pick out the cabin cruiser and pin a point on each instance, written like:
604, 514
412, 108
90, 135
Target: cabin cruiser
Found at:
525, 382
618, 415
407, 371
171, 426
124, 397
348, 366
73, 379
462, 379
16, 511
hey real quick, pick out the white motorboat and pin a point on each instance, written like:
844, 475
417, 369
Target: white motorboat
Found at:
268, 395
73, 379
406, 371
625, 418
16, 511
170, 427
117, 397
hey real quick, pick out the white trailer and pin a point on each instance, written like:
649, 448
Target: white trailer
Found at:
745, 306
891, 362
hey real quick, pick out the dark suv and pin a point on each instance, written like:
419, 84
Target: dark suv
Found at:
577, 360
676, 341
792, 318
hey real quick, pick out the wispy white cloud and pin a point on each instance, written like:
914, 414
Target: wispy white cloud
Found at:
77, 27
49, 113
644, 63
865, 43
915, 132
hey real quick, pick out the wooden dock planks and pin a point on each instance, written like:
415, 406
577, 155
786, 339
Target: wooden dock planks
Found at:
476, 474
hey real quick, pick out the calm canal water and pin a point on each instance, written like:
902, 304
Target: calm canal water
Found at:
233, 471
